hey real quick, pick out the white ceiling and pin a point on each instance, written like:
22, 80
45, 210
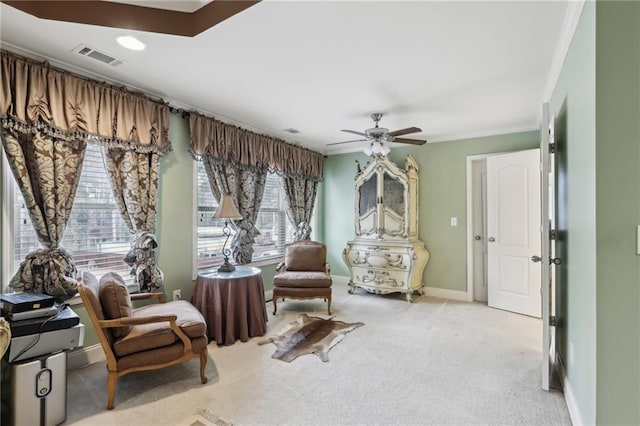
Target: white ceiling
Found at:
454, 69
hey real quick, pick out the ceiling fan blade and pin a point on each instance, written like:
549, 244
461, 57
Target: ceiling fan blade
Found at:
340, 143
405, 131
354, 132
409, 141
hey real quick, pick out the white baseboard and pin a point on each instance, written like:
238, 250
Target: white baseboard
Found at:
569, 397
339, 279
444, 293
85, 356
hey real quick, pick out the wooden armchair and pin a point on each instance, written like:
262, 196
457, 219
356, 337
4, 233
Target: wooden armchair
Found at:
304, 274
146, 338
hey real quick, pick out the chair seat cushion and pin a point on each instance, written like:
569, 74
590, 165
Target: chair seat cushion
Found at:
156, 335
302, 279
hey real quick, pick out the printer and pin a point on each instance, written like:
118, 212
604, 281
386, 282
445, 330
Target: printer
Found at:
34, 367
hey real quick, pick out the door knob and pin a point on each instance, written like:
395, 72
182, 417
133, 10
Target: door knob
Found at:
536, 259
477, 238
555, 261
491, 239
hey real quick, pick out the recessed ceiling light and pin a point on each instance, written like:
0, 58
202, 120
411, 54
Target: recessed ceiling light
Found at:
131, 43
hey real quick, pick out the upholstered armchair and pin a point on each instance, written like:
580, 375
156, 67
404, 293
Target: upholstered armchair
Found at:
153, 336
304, 274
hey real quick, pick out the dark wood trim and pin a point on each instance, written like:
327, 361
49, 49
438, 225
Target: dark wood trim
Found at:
126, 16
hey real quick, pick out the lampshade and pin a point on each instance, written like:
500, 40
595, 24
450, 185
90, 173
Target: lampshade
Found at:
385, 149
367, 150
227, 209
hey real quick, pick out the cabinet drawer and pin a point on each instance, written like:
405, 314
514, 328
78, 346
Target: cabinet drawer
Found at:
382, 279
379, 258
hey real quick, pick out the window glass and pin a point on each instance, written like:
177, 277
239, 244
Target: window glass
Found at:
275, 228
96, 236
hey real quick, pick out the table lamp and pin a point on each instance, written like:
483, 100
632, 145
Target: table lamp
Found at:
226, 210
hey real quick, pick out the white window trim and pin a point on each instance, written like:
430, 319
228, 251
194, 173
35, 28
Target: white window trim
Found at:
7, 220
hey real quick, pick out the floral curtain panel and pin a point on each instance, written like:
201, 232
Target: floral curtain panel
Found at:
237, 161
134, 180
246, 187
300, 194
47, 172
46, 118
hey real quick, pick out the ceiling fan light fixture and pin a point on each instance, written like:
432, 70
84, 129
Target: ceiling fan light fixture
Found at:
384, 149
376, 148
367, 150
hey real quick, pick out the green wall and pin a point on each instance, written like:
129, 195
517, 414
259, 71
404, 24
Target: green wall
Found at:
442, 194
617, 212
573, 101
598, 93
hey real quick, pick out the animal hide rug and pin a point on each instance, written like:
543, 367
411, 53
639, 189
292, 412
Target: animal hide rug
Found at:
309, 335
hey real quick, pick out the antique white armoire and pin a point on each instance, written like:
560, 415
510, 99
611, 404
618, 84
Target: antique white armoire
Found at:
386, 255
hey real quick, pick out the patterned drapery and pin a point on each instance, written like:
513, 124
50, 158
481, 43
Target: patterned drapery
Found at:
37, 97
47, 172
300, 194
246, 187
47, 116
232, 144
237, 160
134, 180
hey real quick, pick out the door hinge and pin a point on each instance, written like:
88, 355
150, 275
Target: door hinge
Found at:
552, 148
552, 321
553, 234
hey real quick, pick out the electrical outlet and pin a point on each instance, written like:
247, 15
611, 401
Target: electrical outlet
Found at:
177, 294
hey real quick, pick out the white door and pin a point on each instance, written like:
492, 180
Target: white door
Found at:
513, 231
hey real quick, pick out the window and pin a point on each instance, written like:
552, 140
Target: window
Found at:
96, 235
275, 229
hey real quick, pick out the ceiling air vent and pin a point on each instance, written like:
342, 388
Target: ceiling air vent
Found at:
292, 131
90, 52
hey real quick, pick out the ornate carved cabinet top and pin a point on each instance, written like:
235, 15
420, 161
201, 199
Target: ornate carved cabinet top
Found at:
386, 200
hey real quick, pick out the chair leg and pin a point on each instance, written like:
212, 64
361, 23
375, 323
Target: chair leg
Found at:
275, 305
203, 364
329, 305
111, 389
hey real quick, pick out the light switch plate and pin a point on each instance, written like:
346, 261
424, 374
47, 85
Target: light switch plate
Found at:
454, 221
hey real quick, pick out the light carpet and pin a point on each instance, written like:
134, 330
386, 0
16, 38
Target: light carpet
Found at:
431, 362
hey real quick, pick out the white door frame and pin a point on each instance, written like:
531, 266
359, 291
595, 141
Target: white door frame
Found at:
470, 160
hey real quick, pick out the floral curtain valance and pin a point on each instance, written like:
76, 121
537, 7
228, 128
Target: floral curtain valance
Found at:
35, 97
231, 144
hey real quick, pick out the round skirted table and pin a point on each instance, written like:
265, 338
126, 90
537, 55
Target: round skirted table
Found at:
232, 303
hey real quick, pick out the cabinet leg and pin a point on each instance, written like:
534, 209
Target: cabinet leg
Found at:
421, 291
409, 296
352, 288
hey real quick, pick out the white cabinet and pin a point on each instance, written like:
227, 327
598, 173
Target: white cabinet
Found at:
386, 255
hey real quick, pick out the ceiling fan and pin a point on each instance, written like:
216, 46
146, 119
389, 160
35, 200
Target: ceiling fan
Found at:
377, 136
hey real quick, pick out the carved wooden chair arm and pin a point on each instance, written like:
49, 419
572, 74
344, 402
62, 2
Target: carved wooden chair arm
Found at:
280, 267
145, 296
125, 321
